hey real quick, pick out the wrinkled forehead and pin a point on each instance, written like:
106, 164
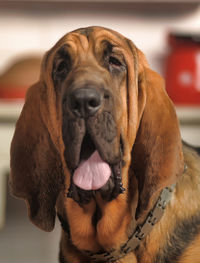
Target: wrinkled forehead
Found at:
92, 36
99, 33
84, 39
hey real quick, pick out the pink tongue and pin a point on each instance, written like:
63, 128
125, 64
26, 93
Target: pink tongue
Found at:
92, 174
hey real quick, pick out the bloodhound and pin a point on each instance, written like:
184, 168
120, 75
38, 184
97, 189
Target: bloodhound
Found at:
98, 144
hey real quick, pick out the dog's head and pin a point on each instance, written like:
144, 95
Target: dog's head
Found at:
96, 113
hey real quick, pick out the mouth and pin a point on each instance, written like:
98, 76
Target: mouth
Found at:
92, 172
94, 157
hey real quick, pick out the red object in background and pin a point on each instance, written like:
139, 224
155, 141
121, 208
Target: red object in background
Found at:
183, 69
18, 77
12, 92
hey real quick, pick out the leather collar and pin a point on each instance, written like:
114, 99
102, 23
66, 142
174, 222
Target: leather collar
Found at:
138, 234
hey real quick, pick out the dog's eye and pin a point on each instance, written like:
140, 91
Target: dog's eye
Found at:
113, 61
62, 67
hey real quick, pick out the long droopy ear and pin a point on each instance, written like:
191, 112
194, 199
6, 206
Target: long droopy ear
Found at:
36, 171
157, 157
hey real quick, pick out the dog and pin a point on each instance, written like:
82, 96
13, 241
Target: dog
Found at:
98, 144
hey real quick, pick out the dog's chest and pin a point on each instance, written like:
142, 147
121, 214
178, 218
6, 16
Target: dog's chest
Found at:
96, 227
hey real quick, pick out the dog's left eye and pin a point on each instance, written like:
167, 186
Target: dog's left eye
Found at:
113, 61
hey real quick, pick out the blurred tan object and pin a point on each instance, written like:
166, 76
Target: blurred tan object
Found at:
15, 81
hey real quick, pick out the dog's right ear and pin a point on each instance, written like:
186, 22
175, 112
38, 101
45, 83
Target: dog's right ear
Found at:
36, 169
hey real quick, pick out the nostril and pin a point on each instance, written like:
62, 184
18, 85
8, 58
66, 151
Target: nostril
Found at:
93, 103
106, 96
76, 105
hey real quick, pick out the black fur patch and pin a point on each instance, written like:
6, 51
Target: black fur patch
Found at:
185, 232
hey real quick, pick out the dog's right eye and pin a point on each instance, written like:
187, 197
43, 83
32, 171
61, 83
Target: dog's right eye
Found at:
61, 69
62, 66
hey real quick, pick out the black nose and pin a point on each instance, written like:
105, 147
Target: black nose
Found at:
85, 102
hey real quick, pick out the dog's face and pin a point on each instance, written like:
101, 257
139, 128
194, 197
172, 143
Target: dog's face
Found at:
89, 76
97, 118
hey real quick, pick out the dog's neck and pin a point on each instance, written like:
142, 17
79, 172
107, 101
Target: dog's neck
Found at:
136, 235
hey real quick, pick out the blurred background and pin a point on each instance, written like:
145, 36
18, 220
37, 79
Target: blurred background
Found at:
168, 32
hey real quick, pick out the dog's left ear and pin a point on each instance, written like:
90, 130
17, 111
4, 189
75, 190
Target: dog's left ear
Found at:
36, 169
157, 158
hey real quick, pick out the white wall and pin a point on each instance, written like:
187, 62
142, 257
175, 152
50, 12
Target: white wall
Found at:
34, 28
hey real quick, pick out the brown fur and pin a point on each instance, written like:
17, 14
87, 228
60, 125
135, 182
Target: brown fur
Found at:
152, 153
183, 207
